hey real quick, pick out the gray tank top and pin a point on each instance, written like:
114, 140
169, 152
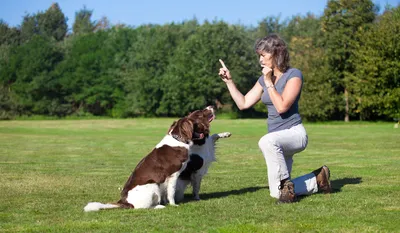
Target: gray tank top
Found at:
291, 117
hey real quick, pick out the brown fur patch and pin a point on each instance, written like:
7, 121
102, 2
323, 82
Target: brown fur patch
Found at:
156, 167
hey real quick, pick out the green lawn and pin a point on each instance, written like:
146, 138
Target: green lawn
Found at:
51, 169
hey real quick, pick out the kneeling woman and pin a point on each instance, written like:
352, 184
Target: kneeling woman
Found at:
279, 88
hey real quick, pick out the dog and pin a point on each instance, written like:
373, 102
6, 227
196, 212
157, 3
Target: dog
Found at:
202, 154
153, 181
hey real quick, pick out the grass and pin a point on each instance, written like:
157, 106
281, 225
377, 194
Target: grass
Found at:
50, 169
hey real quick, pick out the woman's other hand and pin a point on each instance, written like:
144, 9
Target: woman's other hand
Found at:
267, 72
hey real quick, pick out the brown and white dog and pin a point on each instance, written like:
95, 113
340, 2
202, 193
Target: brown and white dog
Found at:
153, 181
202, 154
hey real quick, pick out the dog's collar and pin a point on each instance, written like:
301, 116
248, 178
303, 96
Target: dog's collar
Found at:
179, 138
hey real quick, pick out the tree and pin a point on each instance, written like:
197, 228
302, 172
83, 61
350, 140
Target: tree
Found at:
318, 99
148, 58
53, 23
268, 25
9, 40
102, 24
88, 73
340, 23
29, 27
308, 26
118, 42
376, 80
28, 75
191, 80
8, 36
8, 106
83, 23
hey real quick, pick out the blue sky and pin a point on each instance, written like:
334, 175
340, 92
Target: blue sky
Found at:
136, 13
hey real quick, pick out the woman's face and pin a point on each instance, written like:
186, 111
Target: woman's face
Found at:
265, 59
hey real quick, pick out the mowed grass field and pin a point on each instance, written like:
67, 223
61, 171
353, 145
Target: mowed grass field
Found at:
51, 169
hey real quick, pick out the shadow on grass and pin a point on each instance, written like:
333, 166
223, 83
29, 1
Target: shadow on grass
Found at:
206, 196
339, 183
336, 187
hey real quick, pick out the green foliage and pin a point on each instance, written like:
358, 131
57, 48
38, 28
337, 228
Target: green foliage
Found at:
192, 80
8, 36
8, 106
29, 27
84, 76
270, 24
6, 74
376, 81
149, 57
118, 43
349, 59
318, 100
83, 22
29, 75
340, 23
298, 26
52, 24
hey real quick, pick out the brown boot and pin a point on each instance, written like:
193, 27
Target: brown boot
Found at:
323, 179
287, 194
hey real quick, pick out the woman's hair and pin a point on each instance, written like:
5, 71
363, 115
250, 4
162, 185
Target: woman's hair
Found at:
274, 45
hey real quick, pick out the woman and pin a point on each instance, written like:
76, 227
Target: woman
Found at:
279, 88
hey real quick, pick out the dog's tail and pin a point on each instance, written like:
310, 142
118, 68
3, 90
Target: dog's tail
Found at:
96, 206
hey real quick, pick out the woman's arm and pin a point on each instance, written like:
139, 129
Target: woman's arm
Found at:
245, 102
283, 102
242, 102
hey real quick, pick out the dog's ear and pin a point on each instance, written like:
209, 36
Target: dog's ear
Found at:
183, 128
187, 128
171, 127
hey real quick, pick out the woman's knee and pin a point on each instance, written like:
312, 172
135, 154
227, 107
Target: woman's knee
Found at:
266, 142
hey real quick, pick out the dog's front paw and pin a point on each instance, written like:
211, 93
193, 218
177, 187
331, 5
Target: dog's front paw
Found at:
196, 198
224, 135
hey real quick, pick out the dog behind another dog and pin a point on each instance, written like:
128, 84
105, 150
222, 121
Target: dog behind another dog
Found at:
202, 154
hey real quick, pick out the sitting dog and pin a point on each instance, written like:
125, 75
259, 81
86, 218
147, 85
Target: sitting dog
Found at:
153, 181
202, 154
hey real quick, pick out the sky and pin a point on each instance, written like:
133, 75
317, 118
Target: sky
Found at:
138, 12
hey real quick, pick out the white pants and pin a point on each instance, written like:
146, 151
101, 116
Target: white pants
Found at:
278, 149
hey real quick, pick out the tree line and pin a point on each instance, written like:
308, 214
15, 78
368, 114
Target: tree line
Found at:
349, 56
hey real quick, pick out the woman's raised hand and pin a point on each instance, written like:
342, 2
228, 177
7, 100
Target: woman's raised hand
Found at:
224, 72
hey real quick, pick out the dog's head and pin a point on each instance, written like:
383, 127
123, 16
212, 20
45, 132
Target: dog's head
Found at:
194, 127
202, 119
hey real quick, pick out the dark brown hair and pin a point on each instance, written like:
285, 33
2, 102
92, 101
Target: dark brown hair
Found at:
274, 45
